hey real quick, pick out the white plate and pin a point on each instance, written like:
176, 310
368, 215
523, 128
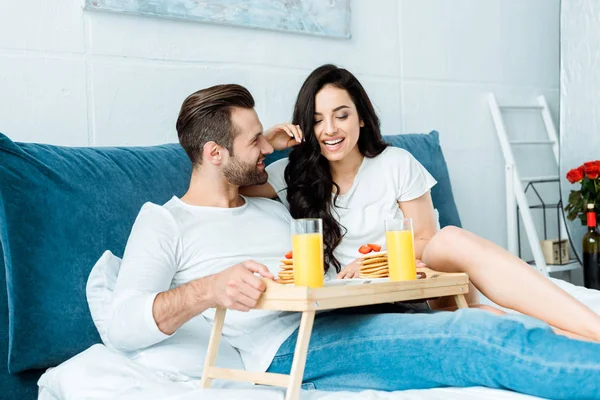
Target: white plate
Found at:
355, 281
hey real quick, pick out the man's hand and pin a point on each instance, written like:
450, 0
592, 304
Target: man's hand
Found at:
282, 136
237, 288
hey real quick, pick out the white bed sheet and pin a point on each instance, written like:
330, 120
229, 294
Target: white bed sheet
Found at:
100, 373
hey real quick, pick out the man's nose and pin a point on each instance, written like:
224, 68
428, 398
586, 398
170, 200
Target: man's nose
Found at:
266, 147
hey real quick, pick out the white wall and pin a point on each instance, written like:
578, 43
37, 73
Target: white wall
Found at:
74, 78
580, 85
455, 52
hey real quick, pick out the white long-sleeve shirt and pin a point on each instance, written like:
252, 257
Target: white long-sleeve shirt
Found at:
176, 243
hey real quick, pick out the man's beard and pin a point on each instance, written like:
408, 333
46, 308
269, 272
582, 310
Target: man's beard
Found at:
240, 173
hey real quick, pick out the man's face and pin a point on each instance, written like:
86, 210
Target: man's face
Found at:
245, 166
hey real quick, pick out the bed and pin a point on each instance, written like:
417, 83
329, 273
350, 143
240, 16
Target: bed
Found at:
61, 208
100, 373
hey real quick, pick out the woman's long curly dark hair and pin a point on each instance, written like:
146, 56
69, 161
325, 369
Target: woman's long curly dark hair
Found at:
308, 175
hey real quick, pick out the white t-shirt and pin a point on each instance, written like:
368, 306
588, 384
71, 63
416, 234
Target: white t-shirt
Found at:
176, 243
392, 176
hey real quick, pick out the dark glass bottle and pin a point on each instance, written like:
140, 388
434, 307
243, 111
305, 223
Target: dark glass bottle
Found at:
591, 252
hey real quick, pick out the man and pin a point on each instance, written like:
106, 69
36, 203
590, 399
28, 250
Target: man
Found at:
205, 250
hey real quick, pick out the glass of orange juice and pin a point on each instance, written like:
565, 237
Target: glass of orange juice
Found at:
401, 249
307, 247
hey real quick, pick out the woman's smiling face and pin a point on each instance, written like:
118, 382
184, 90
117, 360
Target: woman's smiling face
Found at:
336, 123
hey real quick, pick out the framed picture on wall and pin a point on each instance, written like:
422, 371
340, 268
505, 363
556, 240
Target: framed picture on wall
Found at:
316, 17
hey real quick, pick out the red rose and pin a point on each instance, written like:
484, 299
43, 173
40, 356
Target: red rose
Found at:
576, 174
592, 169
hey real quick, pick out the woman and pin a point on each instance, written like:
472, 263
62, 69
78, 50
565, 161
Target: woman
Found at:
342, 171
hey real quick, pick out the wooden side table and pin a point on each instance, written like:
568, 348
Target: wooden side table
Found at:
307, 301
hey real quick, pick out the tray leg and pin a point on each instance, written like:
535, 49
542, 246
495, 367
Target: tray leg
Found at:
304, 332
461, 302
213, 347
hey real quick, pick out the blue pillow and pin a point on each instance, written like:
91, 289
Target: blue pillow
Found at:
60, 209
13, 387
426, 149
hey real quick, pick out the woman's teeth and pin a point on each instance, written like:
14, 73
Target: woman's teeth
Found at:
333, 142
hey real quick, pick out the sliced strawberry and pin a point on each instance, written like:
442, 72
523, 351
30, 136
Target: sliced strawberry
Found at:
289, 255
374, 246
365, 249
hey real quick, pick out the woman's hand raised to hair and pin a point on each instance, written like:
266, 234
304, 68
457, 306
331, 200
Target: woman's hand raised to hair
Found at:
283, 136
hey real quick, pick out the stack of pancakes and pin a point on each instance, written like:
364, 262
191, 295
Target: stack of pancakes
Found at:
286, 274
374, 265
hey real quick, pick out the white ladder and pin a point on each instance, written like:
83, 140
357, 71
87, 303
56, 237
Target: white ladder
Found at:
515, 194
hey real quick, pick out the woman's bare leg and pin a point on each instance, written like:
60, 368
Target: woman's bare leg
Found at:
509, 281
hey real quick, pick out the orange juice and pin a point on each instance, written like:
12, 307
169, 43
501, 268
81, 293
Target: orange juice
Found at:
401, 255
308, 259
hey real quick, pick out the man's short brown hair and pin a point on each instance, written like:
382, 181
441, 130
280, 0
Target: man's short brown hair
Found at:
205, 116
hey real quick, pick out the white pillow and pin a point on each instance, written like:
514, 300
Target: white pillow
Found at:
181, 356
99, 289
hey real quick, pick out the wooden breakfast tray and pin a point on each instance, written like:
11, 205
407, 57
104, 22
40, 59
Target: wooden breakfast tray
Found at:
307, 300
